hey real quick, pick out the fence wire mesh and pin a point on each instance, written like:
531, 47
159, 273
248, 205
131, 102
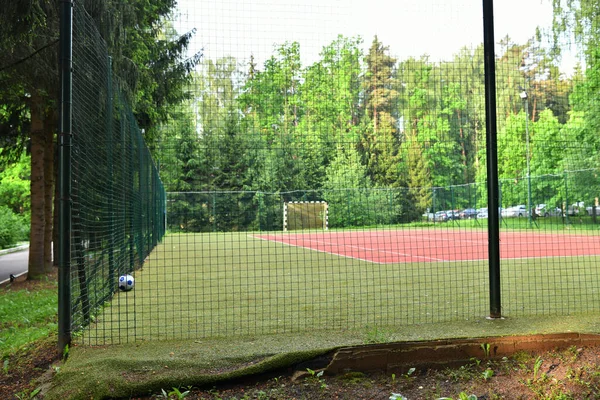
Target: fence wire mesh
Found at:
118, 200
375, 112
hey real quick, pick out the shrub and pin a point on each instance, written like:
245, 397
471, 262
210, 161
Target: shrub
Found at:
12, 227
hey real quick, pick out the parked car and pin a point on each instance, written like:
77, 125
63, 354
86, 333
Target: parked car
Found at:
440, 216
453, 214
468, 213
515, 211
543, 210
590, 210
482, 213
575, 208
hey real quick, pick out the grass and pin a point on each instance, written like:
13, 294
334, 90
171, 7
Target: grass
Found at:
208, 285
26, 316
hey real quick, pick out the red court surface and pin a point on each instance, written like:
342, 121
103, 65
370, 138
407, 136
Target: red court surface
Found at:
404, 246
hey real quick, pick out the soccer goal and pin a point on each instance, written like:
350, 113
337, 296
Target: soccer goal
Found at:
305, 215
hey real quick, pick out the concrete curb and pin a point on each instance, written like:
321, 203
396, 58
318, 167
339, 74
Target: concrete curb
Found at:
392, 357
14, 249
17, 278
20, 277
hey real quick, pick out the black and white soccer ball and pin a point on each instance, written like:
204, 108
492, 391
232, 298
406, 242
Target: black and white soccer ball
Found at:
126, 282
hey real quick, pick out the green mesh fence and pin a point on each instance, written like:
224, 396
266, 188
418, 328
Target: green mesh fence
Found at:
392, 141
118, 199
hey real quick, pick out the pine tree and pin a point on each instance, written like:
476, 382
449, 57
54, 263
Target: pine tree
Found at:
380, 143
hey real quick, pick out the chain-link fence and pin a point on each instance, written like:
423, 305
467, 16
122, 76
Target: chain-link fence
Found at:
387, 145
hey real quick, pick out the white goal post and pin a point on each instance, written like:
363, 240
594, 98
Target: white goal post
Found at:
305, 215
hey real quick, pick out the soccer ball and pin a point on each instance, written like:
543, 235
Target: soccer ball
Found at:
126, 282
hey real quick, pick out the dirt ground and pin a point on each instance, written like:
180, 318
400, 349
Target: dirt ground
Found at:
571, 373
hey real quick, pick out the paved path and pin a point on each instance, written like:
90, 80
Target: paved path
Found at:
14, 263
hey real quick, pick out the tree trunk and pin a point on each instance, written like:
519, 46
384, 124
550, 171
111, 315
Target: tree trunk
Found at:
49, 124
38, 143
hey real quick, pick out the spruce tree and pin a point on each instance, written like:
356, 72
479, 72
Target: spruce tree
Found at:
379, 142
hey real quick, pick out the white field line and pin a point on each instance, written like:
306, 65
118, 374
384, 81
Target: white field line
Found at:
438, 238
354, 247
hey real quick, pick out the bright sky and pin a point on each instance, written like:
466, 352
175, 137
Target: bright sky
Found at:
409, 27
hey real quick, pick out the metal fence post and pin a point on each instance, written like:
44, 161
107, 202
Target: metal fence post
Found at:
64, 176
566, 207
111, 195
492, 158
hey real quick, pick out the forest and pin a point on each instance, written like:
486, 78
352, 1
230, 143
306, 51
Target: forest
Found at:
381, 140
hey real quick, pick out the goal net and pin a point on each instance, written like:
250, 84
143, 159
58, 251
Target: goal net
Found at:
305, 215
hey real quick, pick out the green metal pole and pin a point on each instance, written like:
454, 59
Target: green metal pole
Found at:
111, 195
133, 198
214, 211
140, 196
492, 159
164, 210
452, 204
566, 198
64, 176
433, 204
528, 167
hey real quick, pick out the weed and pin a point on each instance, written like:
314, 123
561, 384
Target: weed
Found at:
213, 392
377, 335
262, 395
353, 377
461, 374
65, 353
486, 349
317, 377
397, 396
576, 376
175, 393
25, 395
461, 396
574, 351
522, 357
487, 374
409, 373
475, 361
5, 366
536, 367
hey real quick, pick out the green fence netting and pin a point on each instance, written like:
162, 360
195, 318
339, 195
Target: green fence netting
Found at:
118, 199
378, 145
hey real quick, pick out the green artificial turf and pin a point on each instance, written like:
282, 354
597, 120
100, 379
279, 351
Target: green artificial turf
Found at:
211, 307
196, 286
144, 368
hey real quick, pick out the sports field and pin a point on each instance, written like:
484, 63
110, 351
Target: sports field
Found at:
431, 245
200, 285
